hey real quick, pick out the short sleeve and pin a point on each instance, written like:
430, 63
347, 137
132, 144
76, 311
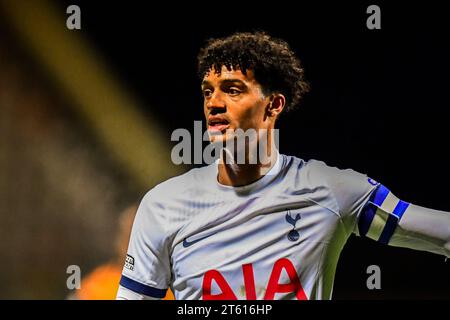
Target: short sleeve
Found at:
147, 264
351, 190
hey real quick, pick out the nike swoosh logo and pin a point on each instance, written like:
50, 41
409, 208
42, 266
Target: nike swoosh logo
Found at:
187, 243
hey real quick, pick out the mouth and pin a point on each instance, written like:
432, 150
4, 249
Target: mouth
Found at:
218, 124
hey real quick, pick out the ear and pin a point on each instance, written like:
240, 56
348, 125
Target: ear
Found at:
276, 105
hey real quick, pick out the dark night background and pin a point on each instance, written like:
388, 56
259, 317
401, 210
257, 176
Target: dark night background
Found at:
379, 100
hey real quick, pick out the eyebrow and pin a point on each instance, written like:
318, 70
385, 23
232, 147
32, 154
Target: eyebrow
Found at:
225, 81
206, 83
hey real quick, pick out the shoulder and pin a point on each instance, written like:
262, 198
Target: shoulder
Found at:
309, 172
185, 185
310, 166
317, 175
318, 167
171, 200
320, 172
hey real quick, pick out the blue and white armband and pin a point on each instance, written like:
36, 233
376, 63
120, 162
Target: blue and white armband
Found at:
381, 215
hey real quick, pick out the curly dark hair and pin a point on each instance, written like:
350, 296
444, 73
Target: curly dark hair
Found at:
274, 64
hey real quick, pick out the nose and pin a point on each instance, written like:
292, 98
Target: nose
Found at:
215, 103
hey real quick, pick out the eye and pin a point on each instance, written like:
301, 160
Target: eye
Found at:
234, 91
207, 93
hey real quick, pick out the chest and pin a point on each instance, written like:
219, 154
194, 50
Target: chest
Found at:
242, 248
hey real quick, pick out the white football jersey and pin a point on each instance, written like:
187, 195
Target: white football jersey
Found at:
277, 238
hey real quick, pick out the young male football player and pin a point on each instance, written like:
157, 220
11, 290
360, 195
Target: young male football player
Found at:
273, 229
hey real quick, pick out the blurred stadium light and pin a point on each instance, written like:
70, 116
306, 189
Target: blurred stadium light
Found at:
60, 193
136, 142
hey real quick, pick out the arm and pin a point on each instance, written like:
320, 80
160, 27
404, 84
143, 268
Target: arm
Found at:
369, 209
389, 220
147, 271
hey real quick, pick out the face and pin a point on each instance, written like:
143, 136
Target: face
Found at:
233, 101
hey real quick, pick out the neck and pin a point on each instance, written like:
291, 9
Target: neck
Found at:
236, 175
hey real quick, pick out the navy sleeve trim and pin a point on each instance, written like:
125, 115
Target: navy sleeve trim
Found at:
142, 288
